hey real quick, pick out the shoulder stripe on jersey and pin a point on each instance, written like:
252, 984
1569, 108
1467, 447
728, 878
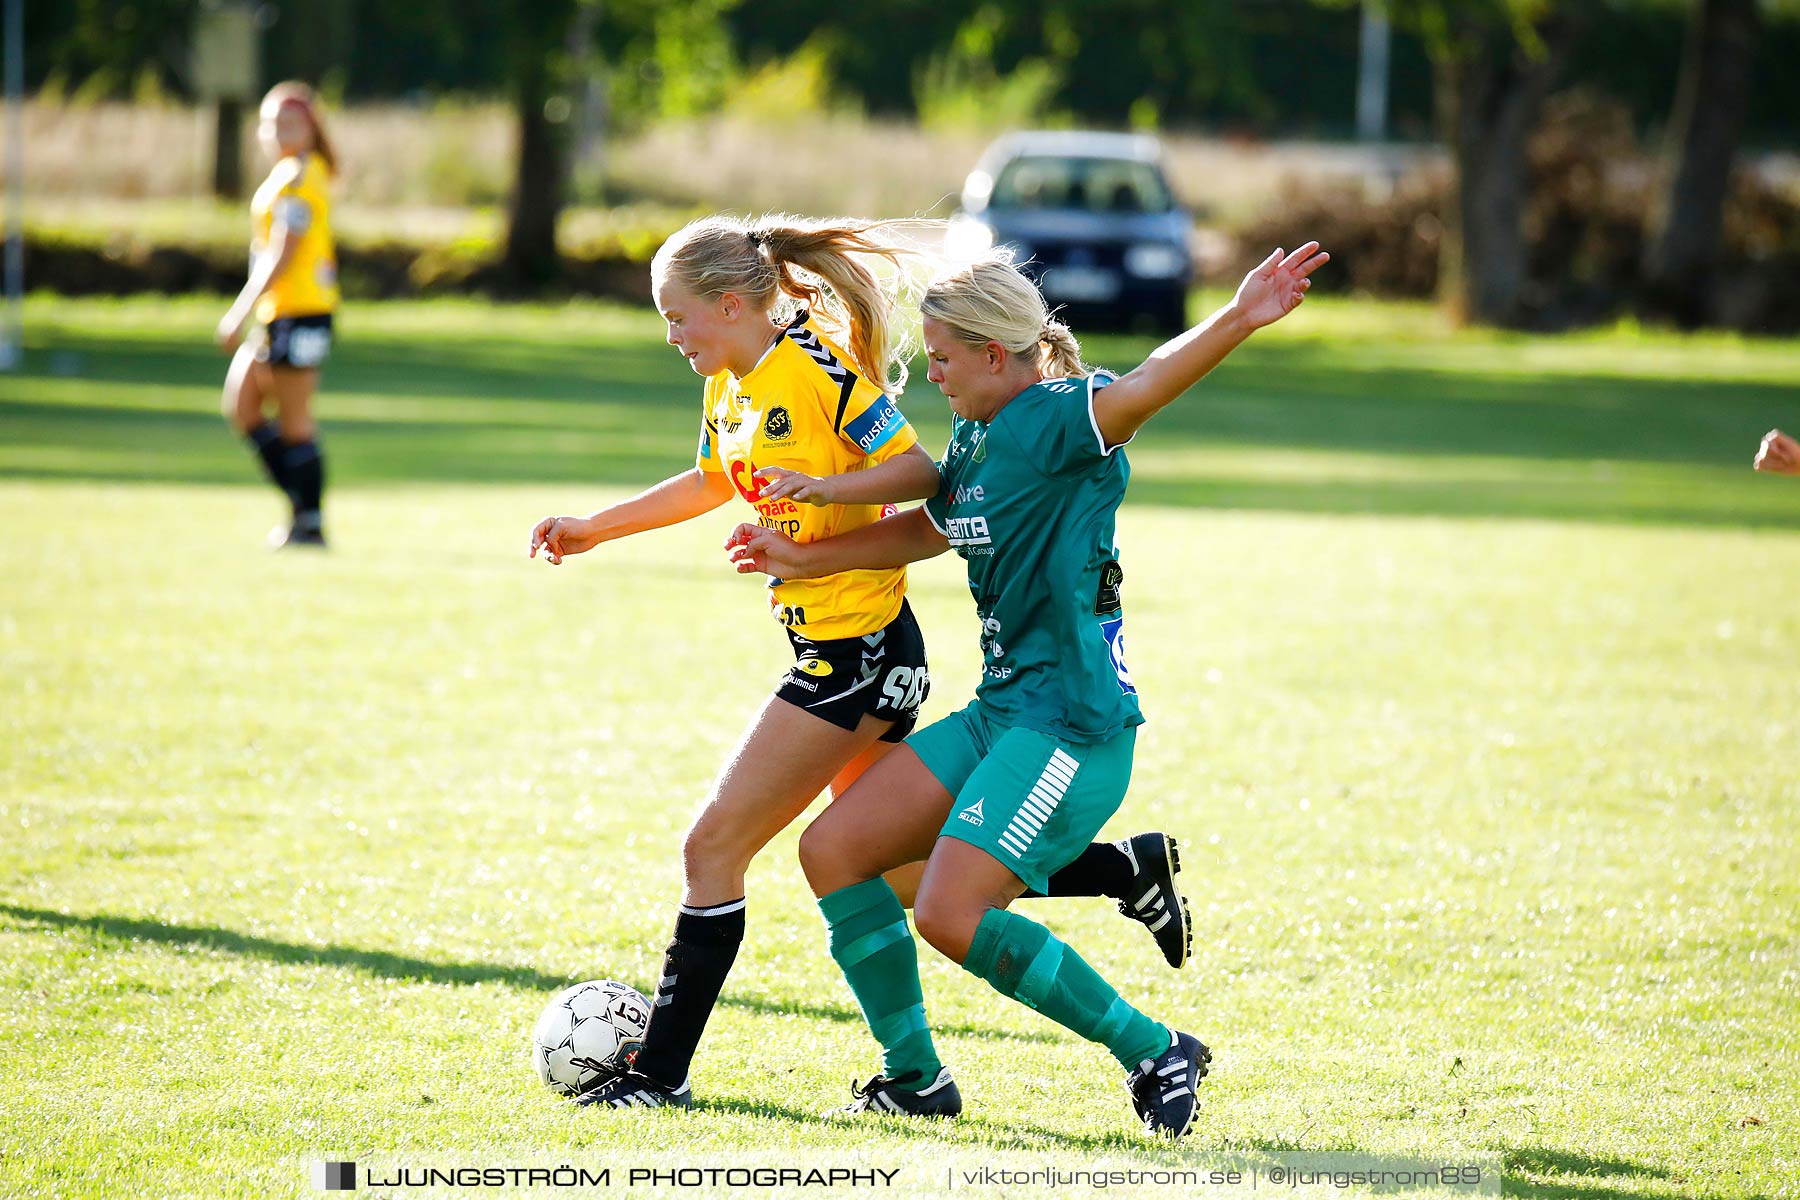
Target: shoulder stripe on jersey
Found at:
841, 375
844, 390
1099, 379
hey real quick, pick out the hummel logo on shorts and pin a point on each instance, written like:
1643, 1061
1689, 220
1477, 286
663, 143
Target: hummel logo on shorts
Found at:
972, 814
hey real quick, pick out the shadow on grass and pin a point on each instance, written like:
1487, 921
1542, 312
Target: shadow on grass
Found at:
1594, 1176
404, 969
1663, 450
1304, 396
994, 1132
835, 1013
380, 964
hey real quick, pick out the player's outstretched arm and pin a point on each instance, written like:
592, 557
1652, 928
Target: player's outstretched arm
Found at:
909, 476
676, 499
1778, 453
891, 542
1270, 292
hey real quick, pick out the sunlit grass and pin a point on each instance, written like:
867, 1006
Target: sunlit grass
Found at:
1486, 776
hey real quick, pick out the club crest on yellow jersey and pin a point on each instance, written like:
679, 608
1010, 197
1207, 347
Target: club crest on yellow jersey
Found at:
778, 426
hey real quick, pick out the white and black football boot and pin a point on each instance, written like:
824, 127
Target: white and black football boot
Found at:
631, 1090
884, 1095
1165, 1090
1153, 898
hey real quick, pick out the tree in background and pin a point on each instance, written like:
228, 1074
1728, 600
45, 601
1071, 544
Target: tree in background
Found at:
1495, 62
676, 50
1180, 61
100, 48
1682, 253
536, 53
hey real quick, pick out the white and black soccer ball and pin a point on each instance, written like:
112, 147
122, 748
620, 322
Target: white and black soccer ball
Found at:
588, 1032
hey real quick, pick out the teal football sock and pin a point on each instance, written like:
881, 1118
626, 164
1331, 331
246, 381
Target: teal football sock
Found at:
872, 944
1028, 963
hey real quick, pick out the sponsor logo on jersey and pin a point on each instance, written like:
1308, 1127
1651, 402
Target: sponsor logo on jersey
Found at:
814, 666
968, 531
972, 814
963, 495
1114, 631
778, 426
876, 426
1106, 599
743, 478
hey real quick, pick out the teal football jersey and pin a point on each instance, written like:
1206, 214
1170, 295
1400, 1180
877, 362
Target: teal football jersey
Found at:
1028, 500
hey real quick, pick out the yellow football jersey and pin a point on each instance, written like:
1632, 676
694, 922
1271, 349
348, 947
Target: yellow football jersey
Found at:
803, 408
308, 285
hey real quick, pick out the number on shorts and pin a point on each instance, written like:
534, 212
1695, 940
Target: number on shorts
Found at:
307, 347
905, 688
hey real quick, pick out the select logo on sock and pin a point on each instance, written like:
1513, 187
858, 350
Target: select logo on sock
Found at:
972, 814
334, 1176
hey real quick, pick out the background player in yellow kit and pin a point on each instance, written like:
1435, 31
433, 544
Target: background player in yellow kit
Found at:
796, 404
292, 290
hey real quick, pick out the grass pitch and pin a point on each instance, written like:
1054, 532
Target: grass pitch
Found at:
1472, 666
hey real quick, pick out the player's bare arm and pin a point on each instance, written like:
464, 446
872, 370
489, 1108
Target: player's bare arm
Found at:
676, 499
1270, 292
269, 265
893, 542
909, 476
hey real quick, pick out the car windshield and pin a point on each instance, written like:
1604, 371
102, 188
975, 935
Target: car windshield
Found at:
1117, 185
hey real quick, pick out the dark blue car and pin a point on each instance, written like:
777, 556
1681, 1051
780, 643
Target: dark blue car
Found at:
1089, 216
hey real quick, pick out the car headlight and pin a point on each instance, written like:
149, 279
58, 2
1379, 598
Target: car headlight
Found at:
966, 240
1155, 260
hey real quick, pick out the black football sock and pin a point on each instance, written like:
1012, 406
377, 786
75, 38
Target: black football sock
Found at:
694, 968
265, 439
1100, 870
305, 467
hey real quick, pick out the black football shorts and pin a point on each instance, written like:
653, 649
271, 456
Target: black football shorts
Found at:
301, 342
882, 674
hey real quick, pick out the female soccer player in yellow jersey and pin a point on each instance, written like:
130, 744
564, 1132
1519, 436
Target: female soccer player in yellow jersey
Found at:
292, 291
798, 422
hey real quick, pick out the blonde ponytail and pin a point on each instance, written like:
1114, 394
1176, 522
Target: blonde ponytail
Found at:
1062, 353
818, 263
992, 301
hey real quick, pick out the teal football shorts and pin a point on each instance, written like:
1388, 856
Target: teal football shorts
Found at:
1031, 800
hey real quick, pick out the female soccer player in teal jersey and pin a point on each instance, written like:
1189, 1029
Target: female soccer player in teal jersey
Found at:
998, 796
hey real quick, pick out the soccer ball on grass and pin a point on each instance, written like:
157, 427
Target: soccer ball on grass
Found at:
588, 1033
